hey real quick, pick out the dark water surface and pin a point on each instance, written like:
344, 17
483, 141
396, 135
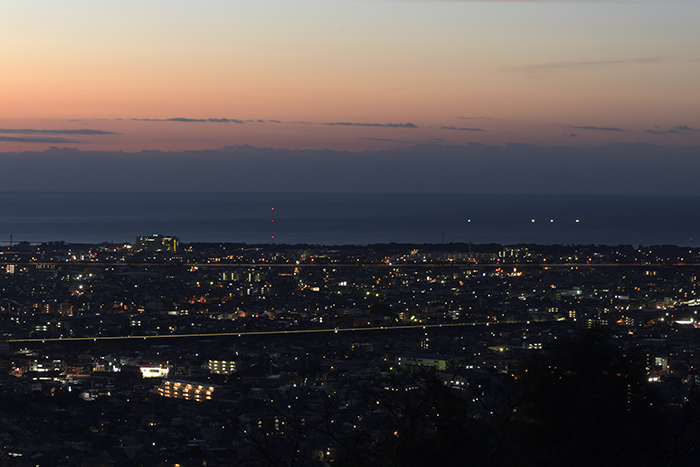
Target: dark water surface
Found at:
335, 218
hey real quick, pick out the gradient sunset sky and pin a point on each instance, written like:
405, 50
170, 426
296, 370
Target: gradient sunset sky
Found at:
347, 75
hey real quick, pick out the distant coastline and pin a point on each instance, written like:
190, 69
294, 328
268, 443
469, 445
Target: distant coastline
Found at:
350, 218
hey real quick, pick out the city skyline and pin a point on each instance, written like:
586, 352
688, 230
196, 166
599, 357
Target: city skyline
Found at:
349, 232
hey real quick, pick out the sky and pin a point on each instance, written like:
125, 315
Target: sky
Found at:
353, 77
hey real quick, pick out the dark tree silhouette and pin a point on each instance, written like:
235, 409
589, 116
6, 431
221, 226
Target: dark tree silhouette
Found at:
584, 402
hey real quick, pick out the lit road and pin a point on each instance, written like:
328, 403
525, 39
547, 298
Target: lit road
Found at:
264, 333
447, 264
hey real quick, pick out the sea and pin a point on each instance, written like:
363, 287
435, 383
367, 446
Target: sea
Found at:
350, 218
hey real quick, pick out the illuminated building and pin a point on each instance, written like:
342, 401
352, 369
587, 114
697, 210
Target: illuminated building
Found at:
156, 243
190, 391
222, 367
414, 360
44, 365
154, 372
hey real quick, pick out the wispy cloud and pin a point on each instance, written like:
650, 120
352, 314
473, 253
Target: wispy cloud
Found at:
475, 118
460, 129
531, 1
20, 139
187, 120
678, 130
31, 131
601, 128
383, 125
684, 129
388, 140
581, 64
250, 120
200, 120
